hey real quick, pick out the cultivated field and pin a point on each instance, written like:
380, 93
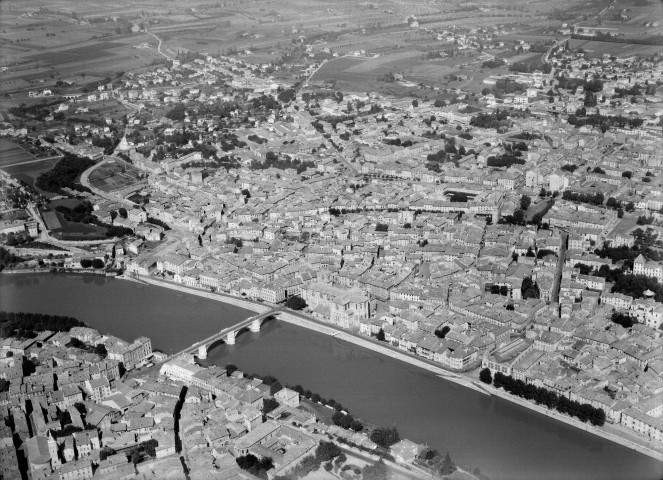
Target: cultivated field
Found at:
11, 154
28, 172
90, 40
619, 50
112, 176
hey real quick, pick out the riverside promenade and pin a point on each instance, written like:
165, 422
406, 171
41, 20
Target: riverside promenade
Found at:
607, 432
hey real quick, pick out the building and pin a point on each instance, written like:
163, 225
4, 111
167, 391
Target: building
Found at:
642, 266
77, 470
288, 397
131, 355
98, 388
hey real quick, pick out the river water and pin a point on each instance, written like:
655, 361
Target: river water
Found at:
501, 439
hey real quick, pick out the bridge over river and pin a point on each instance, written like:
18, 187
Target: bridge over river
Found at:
229, 334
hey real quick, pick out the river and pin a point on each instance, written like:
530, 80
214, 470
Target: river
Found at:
501, 439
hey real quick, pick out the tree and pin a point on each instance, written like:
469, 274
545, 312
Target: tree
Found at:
150, 447
443, 332
381, 227
519, 216
123, 212
385, 437
356, 425
380, 335
256, 467
269, 404
295, 302
598, 417
105, 452
525, 202
86, 262
448, 466
485, 376
97, 263
275, 387
327, 451
529, 289
377, 471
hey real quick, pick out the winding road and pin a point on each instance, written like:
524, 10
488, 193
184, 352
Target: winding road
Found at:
159, 46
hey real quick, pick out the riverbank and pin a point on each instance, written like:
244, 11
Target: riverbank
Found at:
376, 347
456, 378
514, 443
601, 432
219, 297
472, 384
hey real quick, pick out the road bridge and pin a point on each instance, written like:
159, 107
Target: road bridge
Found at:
229, 334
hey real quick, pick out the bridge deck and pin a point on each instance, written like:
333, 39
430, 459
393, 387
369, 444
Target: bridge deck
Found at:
222, 334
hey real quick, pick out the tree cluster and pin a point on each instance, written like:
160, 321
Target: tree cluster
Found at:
64, 174
494, 120
255, 466
529, 289
274, 161
346, 421
160, 223
625, 321
8, 259
584, 412
593, 199
505, 160
25, 324
325, 452
385, 437
636, 285
295, 302
605, 122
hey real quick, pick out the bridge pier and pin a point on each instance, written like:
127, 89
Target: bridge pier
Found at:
202, 352
230, 338
255, 326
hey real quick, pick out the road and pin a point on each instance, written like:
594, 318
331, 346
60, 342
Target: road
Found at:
305, 84
85, 181
222, 334
551, 75
32, 161
560, 268
159, 46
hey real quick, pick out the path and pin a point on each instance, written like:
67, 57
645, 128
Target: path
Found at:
32, 161
560, 268
305, 84
159, 46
